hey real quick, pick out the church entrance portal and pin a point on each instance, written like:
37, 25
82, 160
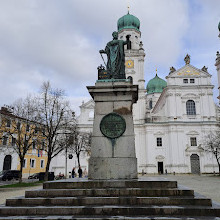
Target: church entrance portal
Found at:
160, 167
195, 164
7, 162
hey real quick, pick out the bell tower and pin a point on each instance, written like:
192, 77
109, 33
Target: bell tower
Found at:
134, 61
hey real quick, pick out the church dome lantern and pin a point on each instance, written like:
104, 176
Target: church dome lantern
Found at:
156, 85
128, 21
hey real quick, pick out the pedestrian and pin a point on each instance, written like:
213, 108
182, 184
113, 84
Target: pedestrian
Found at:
80, 172
73, 172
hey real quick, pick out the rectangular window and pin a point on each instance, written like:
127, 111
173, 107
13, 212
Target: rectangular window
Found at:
24, 163
185, 80
41, 163
43, 145
27, 127
159, 142
8, 123
34, 144
13, 141
193, 141
32, 162
36, 130
192, 80
5, 140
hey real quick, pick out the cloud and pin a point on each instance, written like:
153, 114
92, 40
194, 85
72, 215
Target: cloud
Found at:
59, 40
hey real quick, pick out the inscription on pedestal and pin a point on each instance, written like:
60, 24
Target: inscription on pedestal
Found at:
112, 125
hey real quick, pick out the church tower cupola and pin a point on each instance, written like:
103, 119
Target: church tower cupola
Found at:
128, 21
156, 85
129, 25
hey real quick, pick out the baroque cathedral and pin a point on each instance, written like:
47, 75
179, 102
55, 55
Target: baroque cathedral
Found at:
172, 117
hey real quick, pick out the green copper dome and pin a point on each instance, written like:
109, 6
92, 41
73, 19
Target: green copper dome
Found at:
128, 22
156, 85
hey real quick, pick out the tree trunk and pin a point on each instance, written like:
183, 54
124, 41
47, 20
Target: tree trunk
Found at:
47, 167
21, 168
219, 168
78, 160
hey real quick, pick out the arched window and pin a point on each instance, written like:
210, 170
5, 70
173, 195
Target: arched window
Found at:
190, 107
130, 78
7, 162
150, 104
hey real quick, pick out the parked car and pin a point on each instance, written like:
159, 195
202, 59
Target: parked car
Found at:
9, 174
50, 176
34, 176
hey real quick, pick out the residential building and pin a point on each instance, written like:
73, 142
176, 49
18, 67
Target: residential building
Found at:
13, 127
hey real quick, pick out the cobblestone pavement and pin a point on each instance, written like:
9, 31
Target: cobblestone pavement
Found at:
206, 185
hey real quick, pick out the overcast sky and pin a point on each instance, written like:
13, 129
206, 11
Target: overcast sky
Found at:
59, 40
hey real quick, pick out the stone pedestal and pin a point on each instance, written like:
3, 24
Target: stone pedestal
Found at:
113, 158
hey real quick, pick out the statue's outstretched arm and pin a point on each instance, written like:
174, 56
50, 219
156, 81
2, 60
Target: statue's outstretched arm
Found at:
102, 51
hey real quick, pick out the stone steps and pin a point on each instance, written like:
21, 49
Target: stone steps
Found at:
111, 210
109, 192
79, 201
110, 218
109, 184
133, 200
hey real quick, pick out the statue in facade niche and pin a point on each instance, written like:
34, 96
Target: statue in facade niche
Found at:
187, 59
116, 57
205, 69
172, 69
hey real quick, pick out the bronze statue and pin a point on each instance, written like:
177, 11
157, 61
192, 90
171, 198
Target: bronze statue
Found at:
116, 57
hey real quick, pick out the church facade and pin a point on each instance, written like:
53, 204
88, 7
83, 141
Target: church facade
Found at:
217, 64
172, 117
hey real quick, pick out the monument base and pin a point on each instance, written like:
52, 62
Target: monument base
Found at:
113, 145
112, 168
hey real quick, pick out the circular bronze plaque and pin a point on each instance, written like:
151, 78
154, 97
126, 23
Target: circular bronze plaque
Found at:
112, 125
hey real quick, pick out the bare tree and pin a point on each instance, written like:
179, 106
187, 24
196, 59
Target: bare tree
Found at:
80, 142
65, 140
56, 115
212, 145
24, 130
